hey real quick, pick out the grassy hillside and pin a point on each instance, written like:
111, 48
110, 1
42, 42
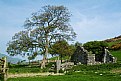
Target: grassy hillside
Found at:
113, 41
117, 54
115, 47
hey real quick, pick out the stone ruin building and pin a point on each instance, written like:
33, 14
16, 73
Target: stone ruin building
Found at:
82, 56
108, 57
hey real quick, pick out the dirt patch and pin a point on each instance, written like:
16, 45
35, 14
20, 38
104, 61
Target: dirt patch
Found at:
118, 70
31, 74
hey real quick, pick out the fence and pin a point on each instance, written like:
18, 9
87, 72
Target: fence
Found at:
3, 69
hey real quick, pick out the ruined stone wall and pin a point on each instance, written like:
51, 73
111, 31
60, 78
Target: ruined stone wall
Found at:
82, 56
91, 59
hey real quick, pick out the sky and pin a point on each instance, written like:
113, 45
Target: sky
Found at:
91, 19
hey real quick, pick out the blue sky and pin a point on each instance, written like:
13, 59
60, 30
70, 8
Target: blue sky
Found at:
91, 19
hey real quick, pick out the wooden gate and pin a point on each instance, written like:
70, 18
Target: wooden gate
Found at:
3, 69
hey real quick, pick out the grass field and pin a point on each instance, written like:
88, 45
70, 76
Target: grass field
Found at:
23, 69
79, 76
104, 72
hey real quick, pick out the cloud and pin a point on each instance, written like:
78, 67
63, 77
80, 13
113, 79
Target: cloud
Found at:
96, 27
91, 20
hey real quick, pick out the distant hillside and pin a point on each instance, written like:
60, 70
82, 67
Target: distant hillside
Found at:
118, 38
114, 43
10, 59
115, 46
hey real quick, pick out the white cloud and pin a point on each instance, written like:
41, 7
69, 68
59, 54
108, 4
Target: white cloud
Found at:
96, 27
92, 20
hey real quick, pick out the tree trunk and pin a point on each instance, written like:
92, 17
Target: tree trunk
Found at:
43, 62
45, 55
61, 58
29, 62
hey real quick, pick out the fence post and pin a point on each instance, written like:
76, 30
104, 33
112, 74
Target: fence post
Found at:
4, 69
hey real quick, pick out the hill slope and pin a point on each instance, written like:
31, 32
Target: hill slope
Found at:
115, 46
114, 41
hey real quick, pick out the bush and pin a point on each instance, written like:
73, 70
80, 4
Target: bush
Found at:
61, 71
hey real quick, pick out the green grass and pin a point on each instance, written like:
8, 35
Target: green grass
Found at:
74, 77
80, 73
102, 67
24, 69
29, 69
117, 54
95, 68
